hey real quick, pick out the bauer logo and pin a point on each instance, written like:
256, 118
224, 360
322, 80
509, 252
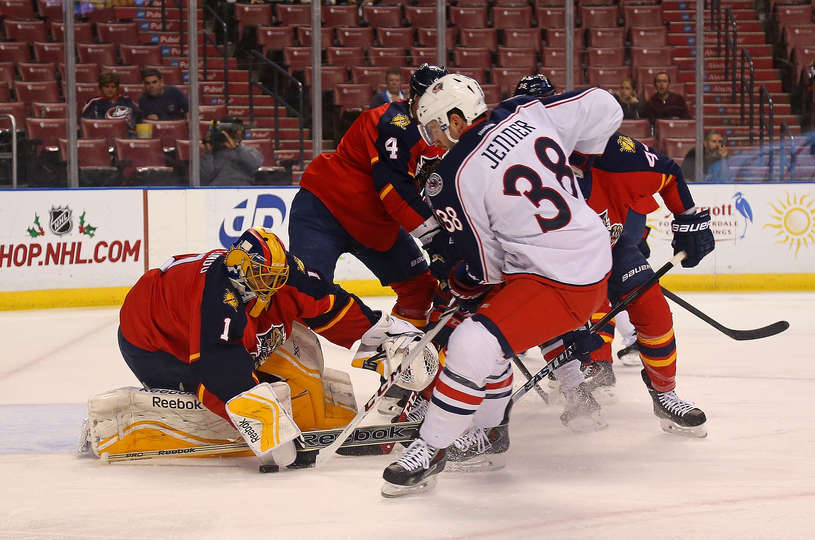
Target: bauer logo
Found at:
731, 218
265, 210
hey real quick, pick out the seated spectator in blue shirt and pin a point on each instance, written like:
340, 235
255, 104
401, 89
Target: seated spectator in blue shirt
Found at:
111, 104
161, 102
393, 89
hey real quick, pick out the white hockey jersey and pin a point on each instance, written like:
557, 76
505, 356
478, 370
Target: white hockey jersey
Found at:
508, 197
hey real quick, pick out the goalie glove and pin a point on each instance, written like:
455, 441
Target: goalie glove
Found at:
692, 235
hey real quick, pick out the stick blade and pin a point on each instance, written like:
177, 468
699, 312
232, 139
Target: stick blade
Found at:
759, 333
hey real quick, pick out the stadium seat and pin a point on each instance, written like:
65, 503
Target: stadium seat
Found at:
340, 15
40, 71
558, 76
608, 76
92, 153
599, 16
252, 15
45, 132
297, 58
421, 55
134, 91
140, 156
46, 91
421, 16
49, 110
25, 30
118, 32
304, 36
556, 37
551, 17
639, 15
372, 76
645, 75
355, 36
507, 78
636, 128
141, 55
556, 57
665, 128
352, 96
45, 51
96, 53
84, 73
492, 92
522, 37
344, 56
792, 13
84, 92
477, 73
511, 17
266, 149
426, 36
107, 128
182, 149
7, 74
17, 110
17, 9
50, 9
648, 36
517, 57
387, 56
605, 56
293, 14
168, 131
14, 51
330, 76
662, 56
83, 31
382, 16
395, 37
676, 148
211, 112
467, 17
275, 38
127, 74
607, 37
472, 57
479, 37
169, 74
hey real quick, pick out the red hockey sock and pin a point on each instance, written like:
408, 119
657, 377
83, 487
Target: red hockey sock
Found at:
413, 298
652, 318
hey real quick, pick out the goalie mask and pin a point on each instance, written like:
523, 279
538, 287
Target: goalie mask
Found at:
451, 93
256, 265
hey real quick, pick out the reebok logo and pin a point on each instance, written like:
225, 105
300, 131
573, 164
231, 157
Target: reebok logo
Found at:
178, 451
249, 431
176, 404
689, 227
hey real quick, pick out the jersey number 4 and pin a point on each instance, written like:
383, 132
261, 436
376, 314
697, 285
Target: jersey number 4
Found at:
538, 192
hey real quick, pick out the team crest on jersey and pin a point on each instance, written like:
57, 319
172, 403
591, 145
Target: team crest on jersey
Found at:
401, 121
268, 342
299, 263
614, 229
231, 300
433, 185
626, 144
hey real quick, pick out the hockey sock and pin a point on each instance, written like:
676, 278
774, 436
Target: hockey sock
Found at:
455, 400
413, 298
652, 318
603, 354
496, 398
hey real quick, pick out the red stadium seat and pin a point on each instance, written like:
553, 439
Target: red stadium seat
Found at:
507, 78
517, 57
608, 76
344, 56
421, 55
645, 75
45, 71
14, 51
7, 73
340, 15
558, 76
211, 112
551, 17
293, 14
127, 74
426, 37
477, 73
472, 57
556, 57
636, 128
182, 149
134, 91
382, 16
330, 76
355, 36
556, 37
84, 92
352, 96
45, 132
83, 31
25, 30
648, 36
297, 58
252, 15
479, 37
118, 32
676, 148
662, 56
92, 153
304, 36
637, 15
607, 37
266, 149
372, 76
50, 9
468, 17
395, 37
107, 128
96, 53
275, 38
84, 73
599, 16
387, 56
49, 110
15, 109
523, 37
45, 51
168, 131
664, 128
17, 9
141, 55
46, 91
492, 92
511, 17
140, 155
421, 16
606, 56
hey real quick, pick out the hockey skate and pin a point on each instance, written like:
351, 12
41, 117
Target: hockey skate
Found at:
415, 472
675, 414
600, 381
581, 411
630, 355
479, 449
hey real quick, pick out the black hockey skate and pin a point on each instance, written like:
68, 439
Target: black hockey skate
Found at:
600, 381
630, 356
581, 411
415, 472
479, 449
675, 414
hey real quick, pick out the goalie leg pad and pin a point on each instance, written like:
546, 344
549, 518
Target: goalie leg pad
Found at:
262, 416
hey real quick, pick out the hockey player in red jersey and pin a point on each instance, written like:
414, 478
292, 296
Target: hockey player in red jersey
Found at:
204, 323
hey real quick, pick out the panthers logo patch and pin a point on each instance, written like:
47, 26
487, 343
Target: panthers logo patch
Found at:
231, 300
299, 263
626, 144
401, 121
267, 343
433, 185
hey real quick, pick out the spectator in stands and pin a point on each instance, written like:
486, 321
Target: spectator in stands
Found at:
664, 103
110, 103
393, 89
714, 164
633, 108
226, 162
160, 102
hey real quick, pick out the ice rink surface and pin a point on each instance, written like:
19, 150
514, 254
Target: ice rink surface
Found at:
752, 478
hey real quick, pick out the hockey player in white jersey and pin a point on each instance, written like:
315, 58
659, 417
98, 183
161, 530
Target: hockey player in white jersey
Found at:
523, 239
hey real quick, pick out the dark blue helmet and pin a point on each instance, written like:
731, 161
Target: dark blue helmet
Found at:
423, 77
535, 85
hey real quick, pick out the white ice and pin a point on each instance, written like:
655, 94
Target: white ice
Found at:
752, 478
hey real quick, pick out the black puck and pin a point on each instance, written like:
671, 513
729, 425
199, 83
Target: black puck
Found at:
268, 468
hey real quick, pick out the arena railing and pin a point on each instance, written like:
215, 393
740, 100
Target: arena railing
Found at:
765, 124
786, 163
748, 88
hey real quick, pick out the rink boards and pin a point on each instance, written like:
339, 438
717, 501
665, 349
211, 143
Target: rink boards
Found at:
80, 247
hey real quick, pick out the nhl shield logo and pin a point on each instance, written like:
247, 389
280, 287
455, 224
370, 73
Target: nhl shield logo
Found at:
60, 221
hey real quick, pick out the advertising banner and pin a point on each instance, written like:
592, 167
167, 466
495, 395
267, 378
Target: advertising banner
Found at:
70, 239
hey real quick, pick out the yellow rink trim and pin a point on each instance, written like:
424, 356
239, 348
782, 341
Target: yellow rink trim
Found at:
114, 296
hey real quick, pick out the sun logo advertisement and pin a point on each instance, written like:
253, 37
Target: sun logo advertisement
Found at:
792, 221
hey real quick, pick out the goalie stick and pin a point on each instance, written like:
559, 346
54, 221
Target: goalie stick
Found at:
739, 335
566, 355
308, 441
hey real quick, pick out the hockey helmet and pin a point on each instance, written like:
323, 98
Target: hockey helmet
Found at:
446, 94
422, 78
257, 265
537, 85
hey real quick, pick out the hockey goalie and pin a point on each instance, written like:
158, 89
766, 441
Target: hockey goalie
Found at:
225, 345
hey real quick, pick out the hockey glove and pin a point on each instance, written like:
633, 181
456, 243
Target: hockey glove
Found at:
440, 251
643, 246
584, 342
692, 235
466, 288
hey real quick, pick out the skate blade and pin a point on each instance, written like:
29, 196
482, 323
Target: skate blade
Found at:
605, 395
485, 463
631, 360
393, 491
695, 432
587, 423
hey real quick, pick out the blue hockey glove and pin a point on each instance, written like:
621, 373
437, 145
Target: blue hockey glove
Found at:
692, 235
467, 289
584, 342
441, 252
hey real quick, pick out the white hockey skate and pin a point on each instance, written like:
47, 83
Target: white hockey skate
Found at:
600, 381
630, 355
581, 412
415, 472
676, 415
479, 449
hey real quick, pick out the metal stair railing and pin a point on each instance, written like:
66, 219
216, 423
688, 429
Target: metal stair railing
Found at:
766, 125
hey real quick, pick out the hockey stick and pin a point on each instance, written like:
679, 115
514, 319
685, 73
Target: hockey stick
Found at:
566, 355
418, 349
308, 441
739, 335
526, 373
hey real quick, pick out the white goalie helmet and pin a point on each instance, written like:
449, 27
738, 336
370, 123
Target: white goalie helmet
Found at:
450, 92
